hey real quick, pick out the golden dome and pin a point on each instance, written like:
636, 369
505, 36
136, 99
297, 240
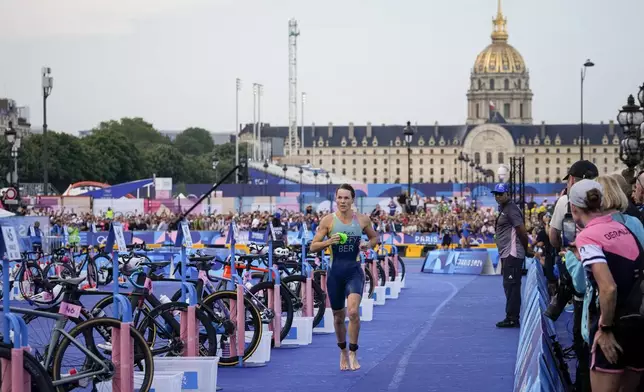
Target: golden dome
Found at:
499, 56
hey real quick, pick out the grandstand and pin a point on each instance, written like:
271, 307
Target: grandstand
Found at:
308, 173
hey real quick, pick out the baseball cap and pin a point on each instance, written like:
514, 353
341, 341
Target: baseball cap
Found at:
578, 191
582, 169
501, 188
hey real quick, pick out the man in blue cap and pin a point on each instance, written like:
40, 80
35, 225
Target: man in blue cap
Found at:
512, 242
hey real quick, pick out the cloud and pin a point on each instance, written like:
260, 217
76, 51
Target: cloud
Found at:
29, 19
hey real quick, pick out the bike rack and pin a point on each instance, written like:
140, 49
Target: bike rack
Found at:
14, 376
189, 328
122, 347
275, 302
323, 278
307, 271
240, 320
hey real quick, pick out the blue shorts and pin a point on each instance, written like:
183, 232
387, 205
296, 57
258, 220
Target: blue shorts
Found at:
344, 278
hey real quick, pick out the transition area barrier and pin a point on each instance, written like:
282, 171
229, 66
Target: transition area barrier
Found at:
474, 261
536, 368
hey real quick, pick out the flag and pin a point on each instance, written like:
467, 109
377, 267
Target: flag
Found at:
492, 107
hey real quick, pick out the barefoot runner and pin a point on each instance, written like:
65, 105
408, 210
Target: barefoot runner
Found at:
343, 232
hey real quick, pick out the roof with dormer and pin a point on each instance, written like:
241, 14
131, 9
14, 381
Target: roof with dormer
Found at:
447, 135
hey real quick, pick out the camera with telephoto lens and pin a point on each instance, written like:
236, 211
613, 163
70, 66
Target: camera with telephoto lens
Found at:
565, 291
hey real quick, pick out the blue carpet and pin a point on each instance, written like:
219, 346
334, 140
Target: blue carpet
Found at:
438, 336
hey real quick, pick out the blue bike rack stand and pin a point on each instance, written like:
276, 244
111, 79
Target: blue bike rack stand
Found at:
14, 375
121, 340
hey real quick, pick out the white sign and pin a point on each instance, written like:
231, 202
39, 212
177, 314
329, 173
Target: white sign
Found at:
11, 244
163, 183
119, 237
185, 230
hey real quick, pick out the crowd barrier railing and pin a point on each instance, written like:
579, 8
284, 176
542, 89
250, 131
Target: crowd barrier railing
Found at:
536, 368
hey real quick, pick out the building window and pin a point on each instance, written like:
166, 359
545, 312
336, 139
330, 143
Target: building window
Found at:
488, 158
480, 84
354, 161
506, 85
320, 162
521, 110
536, 170
397, 161
431, 161
375, 171
431, 171
375, 161
491, 84
506, 110
442, 172
364, 161
547, 161
536, 160
375, 180
477, 157
500, 157
558, 161
344, 161
397, 181
364, 172
519, 84
442, 161
385, 161
333, 161
420, 161
397, 171
354, 171
344, 172
547, 170
478, 111
364, 180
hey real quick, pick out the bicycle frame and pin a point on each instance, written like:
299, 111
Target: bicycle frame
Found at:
59, 330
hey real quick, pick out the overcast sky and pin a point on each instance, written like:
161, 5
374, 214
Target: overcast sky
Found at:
174, 62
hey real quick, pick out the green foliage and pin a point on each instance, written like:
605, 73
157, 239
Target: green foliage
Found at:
119, 151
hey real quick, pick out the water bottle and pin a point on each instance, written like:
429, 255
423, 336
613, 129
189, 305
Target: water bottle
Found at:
164, 299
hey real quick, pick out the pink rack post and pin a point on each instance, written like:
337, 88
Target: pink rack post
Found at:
395, 257
323, 285
374, 272
241, 324
308, 297
189, 331
123, 359
277, 310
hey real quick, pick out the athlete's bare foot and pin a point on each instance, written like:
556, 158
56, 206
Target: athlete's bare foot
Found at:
344, 359
353, 360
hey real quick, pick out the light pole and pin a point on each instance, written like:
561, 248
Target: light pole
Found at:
315, 175
302, 132
409, 134
301, 195
237, 90
328, 195
13, 139
587, 64
260, 92
47, 85
215, 163
631, 119
284, 169
265, 178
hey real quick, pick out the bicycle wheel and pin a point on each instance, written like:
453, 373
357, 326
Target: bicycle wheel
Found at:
219, 304
369, 283
40, 380
392, 270
294, 284
401, 267
88, 331
29, 278
92, 274
59, 269
103, 265
168, 338
260, 293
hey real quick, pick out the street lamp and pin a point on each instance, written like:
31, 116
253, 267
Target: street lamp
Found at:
315, 175
409, 134
237, 89
47, 85
302, 133
301, 195
266, 178
13, 139
587, 65
630, 118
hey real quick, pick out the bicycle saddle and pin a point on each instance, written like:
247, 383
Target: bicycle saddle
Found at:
201, 258
67, 281
156, 265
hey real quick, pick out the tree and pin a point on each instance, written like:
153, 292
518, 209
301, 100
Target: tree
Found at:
165, 161
194, 141
115, 158
136, 130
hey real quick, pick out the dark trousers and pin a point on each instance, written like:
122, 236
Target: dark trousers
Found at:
582, 351
512, 286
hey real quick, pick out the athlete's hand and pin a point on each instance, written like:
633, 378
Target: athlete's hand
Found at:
335, 239
606, 341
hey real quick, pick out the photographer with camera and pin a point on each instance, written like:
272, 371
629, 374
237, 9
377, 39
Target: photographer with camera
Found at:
563, 231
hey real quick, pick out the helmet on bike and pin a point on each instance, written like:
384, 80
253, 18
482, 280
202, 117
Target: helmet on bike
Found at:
48, 298
281, 252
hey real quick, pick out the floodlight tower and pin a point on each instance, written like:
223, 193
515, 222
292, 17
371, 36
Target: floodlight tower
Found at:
293, 33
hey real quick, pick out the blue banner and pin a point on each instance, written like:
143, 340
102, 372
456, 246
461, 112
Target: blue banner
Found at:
469, 262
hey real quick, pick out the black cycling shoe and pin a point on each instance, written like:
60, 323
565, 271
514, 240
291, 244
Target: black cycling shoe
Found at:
508, 323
